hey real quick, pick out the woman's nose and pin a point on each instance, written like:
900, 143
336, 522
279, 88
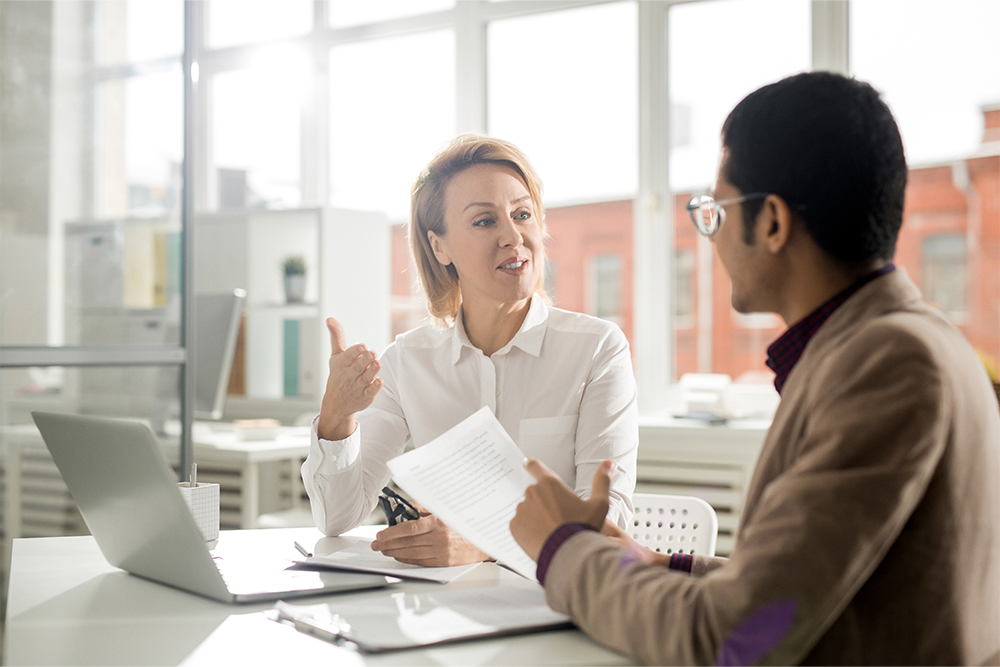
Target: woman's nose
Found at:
510, 235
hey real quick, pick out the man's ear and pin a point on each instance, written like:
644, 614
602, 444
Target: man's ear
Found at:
775, 223
437, 246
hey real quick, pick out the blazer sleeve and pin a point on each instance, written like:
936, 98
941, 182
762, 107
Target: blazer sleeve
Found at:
818, 531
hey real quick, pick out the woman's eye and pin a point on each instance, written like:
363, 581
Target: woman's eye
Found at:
523, 215
483, 222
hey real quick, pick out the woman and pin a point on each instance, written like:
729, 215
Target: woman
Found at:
560, 383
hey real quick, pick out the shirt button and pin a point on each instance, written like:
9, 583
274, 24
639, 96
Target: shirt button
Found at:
332, 457
498, 393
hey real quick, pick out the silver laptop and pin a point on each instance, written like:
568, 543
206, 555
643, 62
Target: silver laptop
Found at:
128, 496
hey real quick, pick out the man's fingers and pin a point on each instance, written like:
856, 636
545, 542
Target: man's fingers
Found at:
338, 341
538, 469
602, 482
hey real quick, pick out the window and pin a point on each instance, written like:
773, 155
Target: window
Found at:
570, 101
606, 287
336, 106
939, 71
139, 159
133, 31
344, 13
256, 130
392, 107
232, 22
683, 287
943, 273
715, 60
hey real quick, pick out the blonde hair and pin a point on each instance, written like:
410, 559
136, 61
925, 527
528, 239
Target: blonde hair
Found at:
427, 207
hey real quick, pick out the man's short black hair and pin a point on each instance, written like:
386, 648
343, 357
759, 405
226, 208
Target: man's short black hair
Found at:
829, 146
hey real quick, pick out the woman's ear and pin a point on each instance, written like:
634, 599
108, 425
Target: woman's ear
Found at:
437, 247
777, 225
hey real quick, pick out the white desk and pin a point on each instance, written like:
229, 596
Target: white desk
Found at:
218, 445
67, 606
38, 503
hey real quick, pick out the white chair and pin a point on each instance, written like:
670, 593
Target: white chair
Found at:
674, 524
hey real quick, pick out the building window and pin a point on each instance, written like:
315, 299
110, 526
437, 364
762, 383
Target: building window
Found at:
943, 273
684, 287
606, 287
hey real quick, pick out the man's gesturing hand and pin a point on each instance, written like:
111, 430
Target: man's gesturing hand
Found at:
549, 504
352, 386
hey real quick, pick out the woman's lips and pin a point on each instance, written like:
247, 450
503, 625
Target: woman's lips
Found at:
514, 266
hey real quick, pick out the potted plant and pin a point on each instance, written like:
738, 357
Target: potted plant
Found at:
294, 268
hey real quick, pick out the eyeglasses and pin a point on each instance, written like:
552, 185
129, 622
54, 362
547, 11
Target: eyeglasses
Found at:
396, 508
708, 214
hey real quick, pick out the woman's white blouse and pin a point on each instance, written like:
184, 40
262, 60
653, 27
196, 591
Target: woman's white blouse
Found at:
563, 388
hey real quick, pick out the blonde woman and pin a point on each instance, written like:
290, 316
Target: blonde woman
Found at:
560, 383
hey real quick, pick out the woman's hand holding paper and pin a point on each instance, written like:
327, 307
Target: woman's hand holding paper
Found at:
426, 541
351, 387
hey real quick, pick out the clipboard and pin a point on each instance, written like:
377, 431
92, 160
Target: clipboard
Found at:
400, 621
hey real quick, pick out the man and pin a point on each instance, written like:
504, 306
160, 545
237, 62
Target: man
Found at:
871, 529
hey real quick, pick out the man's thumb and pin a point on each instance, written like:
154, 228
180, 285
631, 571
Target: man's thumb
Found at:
337, 340
602, 482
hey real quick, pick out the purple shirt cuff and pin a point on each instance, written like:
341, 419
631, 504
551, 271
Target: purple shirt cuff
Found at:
682, 562
552, 544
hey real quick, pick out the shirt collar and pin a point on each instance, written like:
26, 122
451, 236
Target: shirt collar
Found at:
528, 338
784, 353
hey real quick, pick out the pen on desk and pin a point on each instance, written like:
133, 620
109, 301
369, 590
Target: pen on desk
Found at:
193, 479
302, 550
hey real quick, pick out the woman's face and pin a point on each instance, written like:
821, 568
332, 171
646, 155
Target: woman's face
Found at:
492, 237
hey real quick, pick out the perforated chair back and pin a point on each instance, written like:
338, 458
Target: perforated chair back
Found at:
674, 524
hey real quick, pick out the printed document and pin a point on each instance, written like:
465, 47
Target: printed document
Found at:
361, 558
472, 477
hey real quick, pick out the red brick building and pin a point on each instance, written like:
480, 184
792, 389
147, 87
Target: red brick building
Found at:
949, 244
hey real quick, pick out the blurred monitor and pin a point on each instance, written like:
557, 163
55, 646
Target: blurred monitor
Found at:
216, 329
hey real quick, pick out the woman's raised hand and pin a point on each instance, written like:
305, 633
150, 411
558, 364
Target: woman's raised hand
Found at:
352, 386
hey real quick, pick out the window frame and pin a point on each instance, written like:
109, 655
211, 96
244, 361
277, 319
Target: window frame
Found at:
653, 223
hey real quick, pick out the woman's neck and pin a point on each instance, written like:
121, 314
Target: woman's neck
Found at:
491, 328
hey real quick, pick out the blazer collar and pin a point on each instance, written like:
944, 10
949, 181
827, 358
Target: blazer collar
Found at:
891, 292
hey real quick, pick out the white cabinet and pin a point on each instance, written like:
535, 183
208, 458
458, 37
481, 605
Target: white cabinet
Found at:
287, 345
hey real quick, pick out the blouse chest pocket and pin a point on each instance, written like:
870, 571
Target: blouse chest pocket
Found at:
551, 440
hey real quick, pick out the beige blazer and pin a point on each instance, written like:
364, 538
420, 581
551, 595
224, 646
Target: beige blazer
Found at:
871, 529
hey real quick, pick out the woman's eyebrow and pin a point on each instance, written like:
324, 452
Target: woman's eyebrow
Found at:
486, 204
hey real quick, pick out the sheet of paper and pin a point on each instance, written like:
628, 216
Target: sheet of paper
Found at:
472, 477
361, 558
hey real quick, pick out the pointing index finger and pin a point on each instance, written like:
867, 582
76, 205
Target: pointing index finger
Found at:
537, 469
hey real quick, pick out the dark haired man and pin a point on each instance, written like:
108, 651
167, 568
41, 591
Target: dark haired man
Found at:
871, 529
